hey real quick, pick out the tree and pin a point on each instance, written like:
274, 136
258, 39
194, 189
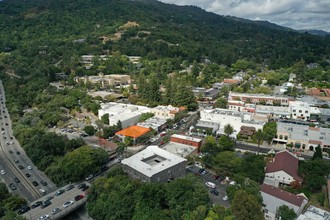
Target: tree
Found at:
89, 129
318, 153
246, 206
105, 119
225, 143
286, 213
269, 131
228, 129
221, 103
259, 135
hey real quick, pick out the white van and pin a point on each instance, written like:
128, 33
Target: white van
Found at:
211, 185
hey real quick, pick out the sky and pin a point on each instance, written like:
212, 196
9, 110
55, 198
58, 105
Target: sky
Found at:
296, 14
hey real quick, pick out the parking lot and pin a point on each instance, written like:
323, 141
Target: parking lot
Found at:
208, 177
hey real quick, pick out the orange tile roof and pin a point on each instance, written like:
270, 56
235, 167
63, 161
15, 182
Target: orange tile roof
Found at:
133, 131
231, 81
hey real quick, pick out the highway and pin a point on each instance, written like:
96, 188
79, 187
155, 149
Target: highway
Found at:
57, 202
12, 156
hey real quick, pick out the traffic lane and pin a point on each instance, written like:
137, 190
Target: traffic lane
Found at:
219, 187
57, 202
22, 189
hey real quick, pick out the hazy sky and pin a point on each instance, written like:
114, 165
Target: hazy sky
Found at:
296, 14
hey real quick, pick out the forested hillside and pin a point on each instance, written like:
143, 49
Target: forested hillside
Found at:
158, 30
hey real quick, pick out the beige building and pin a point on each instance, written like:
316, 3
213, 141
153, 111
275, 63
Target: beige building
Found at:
105, 80
166, 112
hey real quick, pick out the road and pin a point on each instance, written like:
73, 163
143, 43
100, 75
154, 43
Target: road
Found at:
57, 202
10, 150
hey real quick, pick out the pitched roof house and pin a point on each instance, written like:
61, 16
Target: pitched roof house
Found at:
274, 197
283, 169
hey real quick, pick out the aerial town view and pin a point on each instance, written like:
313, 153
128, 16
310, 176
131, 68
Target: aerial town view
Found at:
164, 110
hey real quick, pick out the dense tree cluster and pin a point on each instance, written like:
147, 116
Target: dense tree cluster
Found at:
8, 201
119, 197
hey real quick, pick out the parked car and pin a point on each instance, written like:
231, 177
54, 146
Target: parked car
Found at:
16, 180
43, 183
27, 175
35, 183
215, 192
2, 172
21, 167
12, 186
42, 191
84, 188
211, 185
225, 198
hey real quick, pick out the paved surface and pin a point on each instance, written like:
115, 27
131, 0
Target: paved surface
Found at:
9, 147
219, 187
57, 201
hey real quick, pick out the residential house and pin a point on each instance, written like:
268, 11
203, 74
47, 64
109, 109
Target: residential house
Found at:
133, 132
274, 197
283, 169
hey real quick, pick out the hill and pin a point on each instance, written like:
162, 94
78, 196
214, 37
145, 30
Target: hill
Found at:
66, 28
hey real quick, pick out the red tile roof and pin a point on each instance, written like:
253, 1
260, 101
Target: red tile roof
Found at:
236, 104
314, 128
231, 81
134, 131
283, 195
286, 162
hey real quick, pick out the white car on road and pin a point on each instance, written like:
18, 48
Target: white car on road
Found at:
2, 172
67, 204
44, 217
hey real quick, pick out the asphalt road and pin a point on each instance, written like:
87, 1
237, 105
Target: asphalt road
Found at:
57, 202
9, 147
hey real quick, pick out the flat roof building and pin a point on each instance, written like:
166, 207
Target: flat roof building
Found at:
154, 164
181, 150
157, 124
126, 113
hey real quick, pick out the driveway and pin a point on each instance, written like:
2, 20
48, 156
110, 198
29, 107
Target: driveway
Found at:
219, 187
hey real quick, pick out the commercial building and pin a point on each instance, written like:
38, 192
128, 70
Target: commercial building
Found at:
154, 164
167, 112
157, 124
274, 197
181, 150
314, 213
299, 110
235, 105
234, 118
260, 98
187, 140
105, 80
302, 137
134, 132
273, 111
127, 114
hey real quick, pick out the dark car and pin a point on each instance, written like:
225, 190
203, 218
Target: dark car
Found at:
21, 167
24, 209
18, 153
10, 151
16, 161
46, 203
6, 124
35, 183
27, 175
215, 192
44, 183
16, 180
78, 197
201, 170
60, 192
50, 197
12, 186
84, 188
35, 205
69, 187
81, 185
215, 177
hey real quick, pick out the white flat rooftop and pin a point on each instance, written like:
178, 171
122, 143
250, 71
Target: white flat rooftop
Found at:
188, 138
181, 150
314, 213
152, 160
